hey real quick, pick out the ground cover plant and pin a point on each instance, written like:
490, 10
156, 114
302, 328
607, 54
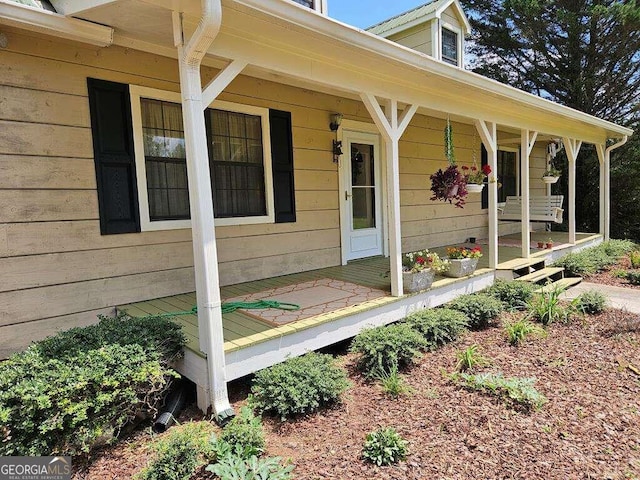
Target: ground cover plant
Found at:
592, 302
438, 326
595, 259
299, 385
513, 295
384, 447
76, 390
480, 308
519, 392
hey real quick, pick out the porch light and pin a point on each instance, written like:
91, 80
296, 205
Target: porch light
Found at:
336, 120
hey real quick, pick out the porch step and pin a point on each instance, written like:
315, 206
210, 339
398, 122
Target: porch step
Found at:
552, 273
563, 283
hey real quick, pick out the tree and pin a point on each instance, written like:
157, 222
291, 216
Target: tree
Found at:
584, 54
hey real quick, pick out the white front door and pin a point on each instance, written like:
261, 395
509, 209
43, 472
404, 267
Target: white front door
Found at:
361, 196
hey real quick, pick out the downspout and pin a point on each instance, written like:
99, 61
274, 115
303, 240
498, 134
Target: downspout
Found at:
201, 201
607, 185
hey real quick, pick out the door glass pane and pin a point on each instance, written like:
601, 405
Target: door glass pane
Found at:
363, 207
362, 171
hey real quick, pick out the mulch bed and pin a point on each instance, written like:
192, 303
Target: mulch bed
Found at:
589, 429
606, 277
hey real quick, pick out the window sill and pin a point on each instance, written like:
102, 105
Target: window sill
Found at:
218, 222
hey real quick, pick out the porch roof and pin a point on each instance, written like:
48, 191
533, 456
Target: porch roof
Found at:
288, 43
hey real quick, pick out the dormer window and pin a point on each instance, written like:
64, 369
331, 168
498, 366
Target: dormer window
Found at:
449, 46
317, 5
306, 3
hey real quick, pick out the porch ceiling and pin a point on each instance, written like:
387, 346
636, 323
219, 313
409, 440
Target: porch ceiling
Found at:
290, 44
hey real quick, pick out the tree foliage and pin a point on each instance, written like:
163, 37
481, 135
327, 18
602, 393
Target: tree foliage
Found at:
584, 54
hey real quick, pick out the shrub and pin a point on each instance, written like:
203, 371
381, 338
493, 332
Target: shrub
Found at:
633, 277
595, 259
519, 392
180, 453
480, 308
469, 358
634, 258
592, 302
513, 295
156, 334
617, 248
438, 325
234, 467
547, 308
384, 348
393, 384
299, 385
67, 406
244, 434
384, 447
519, 330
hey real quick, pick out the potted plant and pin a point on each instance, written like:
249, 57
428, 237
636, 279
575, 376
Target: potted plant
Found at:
449, 185
540, 244
419, 269
549, 243
462, 261
551, 175
475, 177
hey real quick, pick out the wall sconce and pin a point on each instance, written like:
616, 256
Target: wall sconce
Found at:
337, 150
336, 120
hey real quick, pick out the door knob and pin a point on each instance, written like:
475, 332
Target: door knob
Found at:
347, 195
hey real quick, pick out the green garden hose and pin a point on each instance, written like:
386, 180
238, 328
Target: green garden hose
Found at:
230, 307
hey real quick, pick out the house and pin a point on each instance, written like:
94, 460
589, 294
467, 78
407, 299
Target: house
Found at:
124, 122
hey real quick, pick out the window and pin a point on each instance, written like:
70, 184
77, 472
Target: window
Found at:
306, 3
507, 174
449, 46
239, 159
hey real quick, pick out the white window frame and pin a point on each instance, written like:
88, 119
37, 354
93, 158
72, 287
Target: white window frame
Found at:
317, 5
146, 224
459, 37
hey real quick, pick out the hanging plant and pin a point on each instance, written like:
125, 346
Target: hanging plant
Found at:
449, 185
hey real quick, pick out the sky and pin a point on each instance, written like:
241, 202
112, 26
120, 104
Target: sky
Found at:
364, 13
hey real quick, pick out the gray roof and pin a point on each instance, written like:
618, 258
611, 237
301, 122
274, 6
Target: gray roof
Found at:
406, 17
40, 4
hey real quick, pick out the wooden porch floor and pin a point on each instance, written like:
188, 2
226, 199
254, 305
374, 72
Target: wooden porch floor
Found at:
241, 330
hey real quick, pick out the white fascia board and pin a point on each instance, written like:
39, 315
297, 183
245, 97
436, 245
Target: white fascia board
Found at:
36, 20
459, 11
357, 38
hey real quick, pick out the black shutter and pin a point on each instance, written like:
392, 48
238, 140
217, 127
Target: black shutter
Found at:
485, 191
282, 166
114, 157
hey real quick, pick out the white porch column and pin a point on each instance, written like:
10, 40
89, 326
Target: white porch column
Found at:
527, 142
200, 195
392, 127
489, 135
572, 147
601, 151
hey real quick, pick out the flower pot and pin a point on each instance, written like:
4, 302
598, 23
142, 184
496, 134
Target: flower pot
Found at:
415, 282
475, 187
549, 180
549, 245
461, 267
540, 244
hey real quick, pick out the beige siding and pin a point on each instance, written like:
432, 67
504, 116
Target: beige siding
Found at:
449, 16
58, 271
417, 38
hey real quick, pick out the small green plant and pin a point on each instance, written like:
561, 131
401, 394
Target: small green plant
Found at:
618, 273
299, 385
513, 295
180, 453
517, 391
519, 330
381, 349
235, 467
546, 306
633, 277
393, 383
438, 325
469, 358
634, 258
480, 308
595, 259
592, 302
244, 434
384, 447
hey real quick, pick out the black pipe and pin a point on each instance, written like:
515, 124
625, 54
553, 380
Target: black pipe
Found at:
174, 403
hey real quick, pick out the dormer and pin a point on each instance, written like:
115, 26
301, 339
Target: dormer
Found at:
317, 5
436, 28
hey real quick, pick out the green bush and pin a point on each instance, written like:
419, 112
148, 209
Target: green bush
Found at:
480, 308
592, 302
633, 277
244, 434
617, 248
235, 467
67, 406
519, 330
513, 295
180, 453
299, 385
519, 392
384, 447
438, 325
634, 258
77, 389
595, 259
384, 348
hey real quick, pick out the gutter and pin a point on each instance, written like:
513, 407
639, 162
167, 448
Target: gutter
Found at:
206, 32
42, 21
615, 145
